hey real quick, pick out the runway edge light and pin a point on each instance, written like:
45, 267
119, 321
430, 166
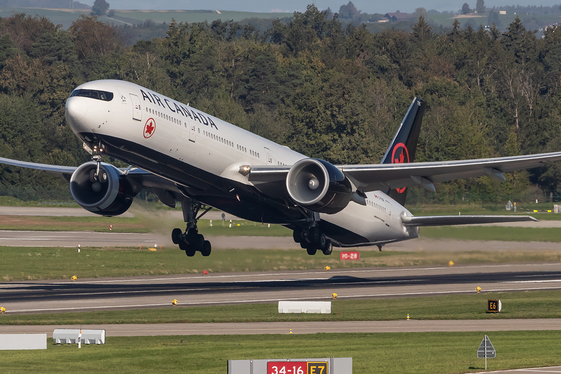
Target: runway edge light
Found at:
2, 310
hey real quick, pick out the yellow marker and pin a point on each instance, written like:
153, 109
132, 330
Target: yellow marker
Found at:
174, 302
290, 333
451, 263
152, 249
333, 295
478, 289
74, 278
327, 268
408, 317
2, 310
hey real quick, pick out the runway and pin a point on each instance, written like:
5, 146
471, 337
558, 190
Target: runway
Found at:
260, 328
270, 287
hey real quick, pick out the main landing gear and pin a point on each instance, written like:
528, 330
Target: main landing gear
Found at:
312, 239
191, 241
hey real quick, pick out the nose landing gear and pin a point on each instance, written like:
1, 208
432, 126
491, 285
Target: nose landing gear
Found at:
191, 241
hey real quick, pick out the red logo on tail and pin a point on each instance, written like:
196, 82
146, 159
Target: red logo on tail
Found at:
400, 155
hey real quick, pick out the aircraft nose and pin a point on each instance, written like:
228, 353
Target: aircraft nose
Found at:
76, 110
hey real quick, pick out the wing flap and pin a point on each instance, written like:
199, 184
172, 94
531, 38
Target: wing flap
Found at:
461, 220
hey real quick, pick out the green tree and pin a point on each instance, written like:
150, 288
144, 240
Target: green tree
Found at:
480, 6
349, 11
100, 7
466, 9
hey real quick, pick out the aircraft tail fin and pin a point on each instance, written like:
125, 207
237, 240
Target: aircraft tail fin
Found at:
404, 144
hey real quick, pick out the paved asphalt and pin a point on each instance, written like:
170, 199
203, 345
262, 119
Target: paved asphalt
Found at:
270, 287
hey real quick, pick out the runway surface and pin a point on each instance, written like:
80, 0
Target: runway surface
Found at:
260, 328
270, 287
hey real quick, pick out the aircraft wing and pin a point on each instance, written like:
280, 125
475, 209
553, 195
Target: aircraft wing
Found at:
383, 176
65, 171
460, 220
166, 190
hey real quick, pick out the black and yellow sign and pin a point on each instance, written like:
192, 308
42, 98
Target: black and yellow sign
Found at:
493, 306
317, 368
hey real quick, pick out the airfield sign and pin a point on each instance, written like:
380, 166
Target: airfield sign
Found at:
486, 349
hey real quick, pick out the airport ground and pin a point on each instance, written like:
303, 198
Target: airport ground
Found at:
396, 343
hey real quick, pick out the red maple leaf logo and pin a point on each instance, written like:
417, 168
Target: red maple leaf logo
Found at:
402, 149
149, 128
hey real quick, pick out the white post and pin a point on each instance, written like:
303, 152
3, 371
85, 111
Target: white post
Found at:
485, 352
80, 339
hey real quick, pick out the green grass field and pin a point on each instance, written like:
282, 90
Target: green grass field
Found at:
430, 353
517, 234
535, 304
25, 263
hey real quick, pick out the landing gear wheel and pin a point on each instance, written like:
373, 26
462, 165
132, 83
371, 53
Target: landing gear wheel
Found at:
328, 248
176, 236
322, 241
311, 250
190, 251
314, 235
205, 251
297, 235
303, 245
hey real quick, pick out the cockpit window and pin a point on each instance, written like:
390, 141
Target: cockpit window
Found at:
94, 94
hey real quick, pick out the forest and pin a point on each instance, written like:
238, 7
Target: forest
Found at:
324, 89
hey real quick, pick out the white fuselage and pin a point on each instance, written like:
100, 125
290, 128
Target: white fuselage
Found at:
176, 130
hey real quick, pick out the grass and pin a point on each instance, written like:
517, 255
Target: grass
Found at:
12, 201
66, 223
26, 263
372, 353
528, 304
518, 234
465, 209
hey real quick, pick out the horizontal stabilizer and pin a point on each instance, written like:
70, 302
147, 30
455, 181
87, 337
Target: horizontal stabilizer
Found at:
461, 220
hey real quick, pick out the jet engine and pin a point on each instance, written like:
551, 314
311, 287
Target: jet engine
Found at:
319, 186
105, 191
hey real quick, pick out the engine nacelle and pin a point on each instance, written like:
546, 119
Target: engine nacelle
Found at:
110, 194
319, 186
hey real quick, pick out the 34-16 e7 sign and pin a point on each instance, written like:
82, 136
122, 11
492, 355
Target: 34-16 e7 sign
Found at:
288, 367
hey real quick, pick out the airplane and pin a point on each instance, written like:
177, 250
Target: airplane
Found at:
185, 155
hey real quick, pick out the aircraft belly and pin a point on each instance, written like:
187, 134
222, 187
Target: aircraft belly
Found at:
366, 225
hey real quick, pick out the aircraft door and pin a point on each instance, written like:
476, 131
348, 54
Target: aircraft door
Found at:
270, 156
192, 132
136, 109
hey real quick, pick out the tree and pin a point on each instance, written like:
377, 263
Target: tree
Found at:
421, 30
480, 6
349, 11
466, 9
100, 7
494, 19
421, 12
